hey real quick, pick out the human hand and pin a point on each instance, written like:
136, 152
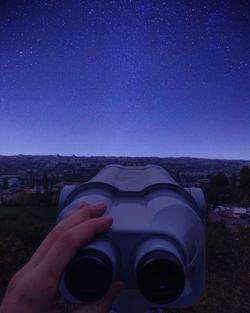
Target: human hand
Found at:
34, 288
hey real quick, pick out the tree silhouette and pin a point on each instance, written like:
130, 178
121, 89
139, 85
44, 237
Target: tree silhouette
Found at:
5, 183
245, 183
219, 189
45, 181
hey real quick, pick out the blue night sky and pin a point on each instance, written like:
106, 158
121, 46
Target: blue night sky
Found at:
125, 78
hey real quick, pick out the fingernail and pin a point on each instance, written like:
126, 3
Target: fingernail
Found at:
107, 217
102, 204
84, 203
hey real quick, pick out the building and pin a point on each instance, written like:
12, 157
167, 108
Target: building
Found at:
85, 164
13, 180
10, 196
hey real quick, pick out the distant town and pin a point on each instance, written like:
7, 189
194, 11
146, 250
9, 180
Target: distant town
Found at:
38, 180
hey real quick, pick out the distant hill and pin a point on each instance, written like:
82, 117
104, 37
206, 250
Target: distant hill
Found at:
22, 164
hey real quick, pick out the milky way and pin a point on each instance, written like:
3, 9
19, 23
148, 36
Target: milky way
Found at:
132, 78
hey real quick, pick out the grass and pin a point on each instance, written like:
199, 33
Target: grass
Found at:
16, 211
23, 219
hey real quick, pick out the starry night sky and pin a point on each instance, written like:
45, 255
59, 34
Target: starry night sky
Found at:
125, 78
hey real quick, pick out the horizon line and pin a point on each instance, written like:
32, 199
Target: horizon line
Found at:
111, 156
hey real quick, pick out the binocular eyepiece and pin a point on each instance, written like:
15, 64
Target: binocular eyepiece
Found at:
156, 244
89, 275
159, 275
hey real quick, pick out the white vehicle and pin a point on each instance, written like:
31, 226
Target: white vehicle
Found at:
238, 211
236, 215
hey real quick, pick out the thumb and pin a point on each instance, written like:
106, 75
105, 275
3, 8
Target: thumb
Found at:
111, 295
104, 305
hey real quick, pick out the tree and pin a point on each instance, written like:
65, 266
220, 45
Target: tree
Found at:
245, 183
26, 198
31, 182
5, 183
219, 189
234, 181
45, 181
235, 194
245, 178
54, 180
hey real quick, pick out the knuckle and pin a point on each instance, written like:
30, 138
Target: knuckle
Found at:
92, 226
86, 212
20, 286
70, 238
82, 205
51, 278
13, 282
59, 230
67, 239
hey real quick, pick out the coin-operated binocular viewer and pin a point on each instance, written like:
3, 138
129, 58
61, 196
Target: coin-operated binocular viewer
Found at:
156, 244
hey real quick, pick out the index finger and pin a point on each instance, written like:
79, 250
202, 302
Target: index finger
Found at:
67, 245
83, 212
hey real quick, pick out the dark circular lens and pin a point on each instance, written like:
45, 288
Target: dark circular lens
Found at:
160, 277
89, 275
